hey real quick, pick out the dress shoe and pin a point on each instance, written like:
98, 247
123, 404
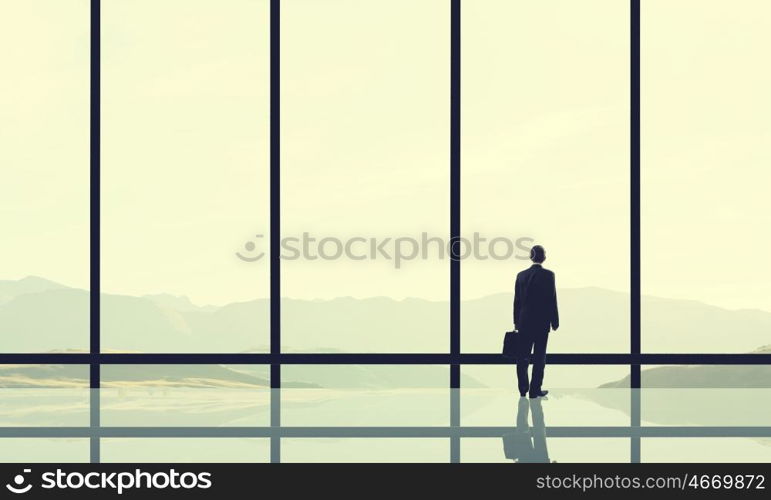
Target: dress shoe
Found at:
538, 394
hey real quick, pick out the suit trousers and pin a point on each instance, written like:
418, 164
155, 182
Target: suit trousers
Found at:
532, 347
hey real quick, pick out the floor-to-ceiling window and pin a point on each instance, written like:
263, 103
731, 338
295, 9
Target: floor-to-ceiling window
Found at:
277, 184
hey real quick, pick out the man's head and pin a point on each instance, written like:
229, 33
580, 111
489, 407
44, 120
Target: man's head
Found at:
537, 254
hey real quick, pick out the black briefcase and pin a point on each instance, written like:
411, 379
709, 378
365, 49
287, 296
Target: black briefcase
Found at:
510, 344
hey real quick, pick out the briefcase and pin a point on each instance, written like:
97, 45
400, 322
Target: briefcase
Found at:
510, 344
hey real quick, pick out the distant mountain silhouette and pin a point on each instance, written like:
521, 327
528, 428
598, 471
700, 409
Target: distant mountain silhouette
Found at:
122, 375
704, 376
39, 316
31, 284
178, 302
597, 320
241, 376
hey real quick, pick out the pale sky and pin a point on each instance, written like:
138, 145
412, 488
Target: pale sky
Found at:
365, 143
44, 193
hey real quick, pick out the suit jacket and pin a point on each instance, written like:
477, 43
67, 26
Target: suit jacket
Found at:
535, 300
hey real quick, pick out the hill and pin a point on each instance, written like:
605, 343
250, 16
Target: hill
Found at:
39, 316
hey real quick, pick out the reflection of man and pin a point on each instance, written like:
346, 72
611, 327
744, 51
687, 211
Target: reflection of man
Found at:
524, 445
539, 432
535, 312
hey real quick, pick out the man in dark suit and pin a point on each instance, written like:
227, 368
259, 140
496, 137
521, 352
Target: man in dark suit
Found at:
535, 314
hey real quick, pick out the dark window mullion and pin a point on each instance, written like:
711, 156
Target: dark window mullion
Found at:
635, 291
275, 226
455, 199
634, 175
455, 181
95, 225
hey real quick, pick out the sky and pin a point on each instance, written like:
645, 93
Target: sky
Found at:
365, 143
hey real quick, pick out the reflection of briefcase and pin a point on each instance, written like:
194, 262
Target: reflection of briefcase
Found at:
510, 344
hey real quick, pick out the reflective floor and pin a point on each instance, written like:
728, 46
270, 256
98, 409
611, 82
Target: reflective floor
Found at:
146, 424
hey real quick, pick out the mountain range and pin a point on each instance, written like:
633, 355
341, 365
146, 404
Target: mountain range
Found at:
38, 315
704, 376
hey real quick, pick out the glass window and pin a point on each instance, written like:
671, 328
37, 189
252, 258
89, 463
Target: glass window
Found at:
44, 396
707, 395
365, 175
705, 176
546, 161
557, 376
185, 203
365, 395
578, 395
365, 213
44, 175
184, 395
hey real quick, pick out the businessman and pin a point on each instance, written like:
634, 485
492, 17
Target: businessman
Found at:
535, 314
